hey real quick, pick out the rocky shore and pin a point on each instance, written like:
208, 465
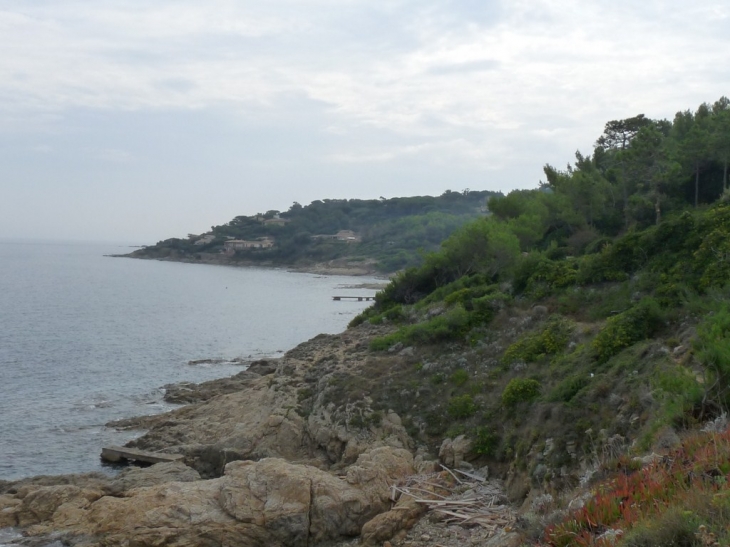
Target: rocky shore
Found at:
341, 266
290, 452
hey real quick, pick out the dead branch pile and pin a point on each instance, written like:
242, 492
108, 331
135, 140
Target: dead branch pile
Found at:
459, 498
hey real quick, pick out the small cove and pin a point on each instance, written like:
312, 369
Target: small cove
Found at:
86, 339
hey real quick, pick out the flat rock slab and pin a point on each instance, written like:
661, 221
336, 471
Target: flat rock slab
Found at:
118, 453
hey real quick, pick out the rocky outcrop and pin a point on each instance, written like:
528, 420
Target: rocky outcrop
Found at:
188, 392
269, 502
386, 525
286, 408
295, 451
453, 453
161, 473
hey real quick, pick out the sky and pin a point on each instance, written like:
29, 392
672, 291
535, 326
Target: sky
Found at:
124, 120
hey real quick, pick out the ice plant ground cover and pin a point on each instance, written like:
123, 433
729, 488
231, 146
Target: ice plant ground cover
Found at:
684, 496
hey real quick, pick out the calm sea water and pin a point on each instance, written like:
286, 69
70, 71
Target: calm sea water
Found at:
85, 339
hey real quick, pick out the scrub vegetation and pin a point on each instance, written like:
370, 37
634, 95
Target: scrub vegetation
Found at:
567, 334
580, 325
392, 233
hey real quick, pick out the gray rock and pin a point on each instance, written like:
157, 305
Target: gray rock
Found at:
395, 347
433, 312
539, 472
519, 366
465, 466
718, 425
679, 351
482, 472
262, 367
160, 473
453, 452
666, 440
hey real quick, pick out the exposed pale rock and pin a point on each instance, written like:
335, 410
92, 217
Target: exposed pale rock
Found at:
386, 525
188, 392
8, 510
504, 538
136, 477
453, 452
269, 502
41, 503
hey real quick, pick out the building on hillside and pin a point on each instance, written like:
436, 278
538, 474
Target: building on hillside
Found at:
276, 221
347, 236
233, 245
204, 240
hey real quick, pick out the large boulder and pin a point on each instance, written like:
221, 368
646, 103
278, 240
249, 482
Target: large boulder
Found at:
269, 502
160, 473
453, 452
41, 504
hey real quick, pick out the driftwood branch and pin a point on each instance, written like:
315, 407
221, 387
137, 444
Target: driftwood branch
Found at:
474, 501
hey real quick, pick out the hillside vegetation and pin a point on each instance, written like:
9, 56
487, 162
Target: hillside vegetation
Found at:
579, 326
390, 233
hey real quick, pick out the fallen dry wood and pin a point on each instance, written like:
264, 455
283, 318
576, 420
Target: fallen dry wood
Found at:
473, 501
470, 475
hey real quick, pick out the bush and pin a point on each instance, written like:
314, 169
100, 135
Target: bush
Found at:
713, 350
683, 394
462, 406
674, 528
710, 259
451, 325
485, 441
520, 390
551, 340
568, 388
659, 505
627, 328
460, 377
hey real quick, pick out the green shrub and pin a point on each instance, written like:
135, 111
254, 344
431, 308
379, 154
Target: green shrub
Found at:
460, 377
713, 350
477, 284
555, 273
450, 326
383, 343
627, 328
520, 390
484, 308
710, 259
674, 528
615, 261
568, 388
550, 340
437, 379
485, 441
680, 395
462, 406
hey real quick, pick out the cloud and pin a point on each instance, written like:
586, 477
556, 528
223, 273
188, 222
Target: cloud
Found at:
503, 61
320, 91
485, 156
470, 66
112, 155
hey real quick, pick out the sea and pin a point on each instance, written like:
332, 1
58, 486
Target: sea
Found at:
86, 338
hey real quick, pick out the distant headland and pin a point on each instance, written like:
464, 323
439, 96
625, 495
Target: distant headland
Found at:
331, 236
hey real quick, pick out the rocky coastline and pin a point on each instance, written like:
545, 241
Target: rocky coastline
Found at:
343, 266
280, 454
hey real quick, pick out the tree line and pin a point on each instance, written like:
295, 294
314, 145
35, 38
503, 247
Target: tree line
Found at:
394, 232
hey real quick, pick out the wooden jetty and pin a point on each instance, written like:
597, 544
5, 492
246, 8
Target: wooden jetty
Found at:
358, 298
118, 453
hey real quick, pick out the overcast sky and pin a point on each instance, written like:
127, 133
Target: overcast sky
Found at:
138, 121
